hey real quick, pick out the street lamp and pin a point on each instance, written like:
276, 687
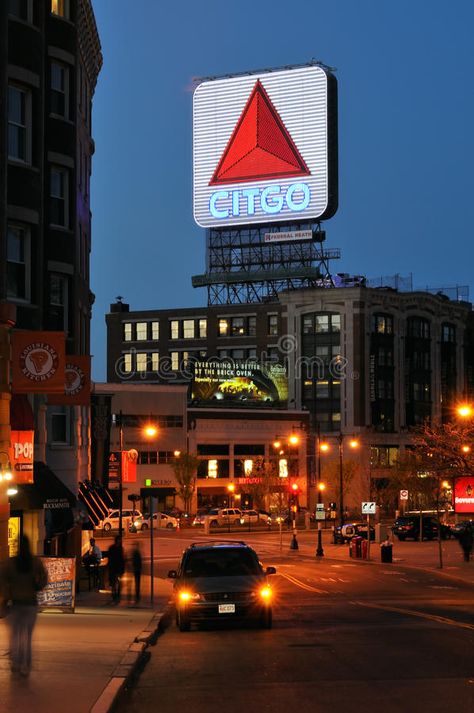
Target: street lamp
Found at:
353, 443
321, 489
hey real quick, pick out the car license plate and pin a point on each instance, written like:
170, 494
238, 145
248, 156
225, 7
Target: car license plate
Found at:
226, 608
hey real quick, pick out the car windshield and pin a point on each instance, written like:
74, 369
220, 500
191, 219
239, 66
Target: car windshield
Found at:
219, 563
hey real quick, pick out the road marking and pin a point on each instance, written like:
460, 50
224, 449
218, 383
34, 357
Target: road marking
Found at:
301, 584
421, 615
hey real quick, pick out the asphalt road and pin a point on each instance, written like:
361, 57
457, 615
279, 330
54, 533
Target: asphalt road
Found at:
346, 637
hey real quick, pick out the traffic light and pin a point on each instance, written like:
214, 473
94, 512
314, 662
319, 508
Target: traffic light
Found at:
294, 493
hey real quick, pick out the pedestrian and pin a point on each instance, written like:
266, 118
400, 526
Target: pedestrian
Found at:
466, 540
137, 569
91, 561
21, 578
116, 564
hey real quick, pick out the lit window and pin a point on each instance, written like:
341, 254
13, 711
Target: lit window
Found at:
383, 324
18, 262
59, 197
335, 322
283, 468
19, 124
60, 90
127, 363
238, 326
155, 330
155, 361
142, 362
248, 466
223, 327
174, 361
188, 328
212, 469
203, 328
174, 326
322, 323
141, 328
127, 332
60, 8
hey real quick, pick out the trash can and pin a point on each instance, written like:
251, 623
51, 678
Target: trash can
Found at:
363, 549
356, 547
386, 552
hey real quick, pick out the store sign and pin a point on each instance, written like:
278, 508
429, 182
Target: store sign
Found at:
239, 381
464, 495
21, 456
288, 237
262, 147
38, 360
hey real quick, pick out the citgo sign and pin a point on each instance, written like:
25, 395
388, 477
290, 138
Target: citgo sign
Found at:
265, 148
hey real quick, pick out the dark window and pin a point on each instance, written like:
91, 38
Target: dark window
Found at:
418, 327
448, 333
210, 449
17, 262
247, 449
60, 92
59, 197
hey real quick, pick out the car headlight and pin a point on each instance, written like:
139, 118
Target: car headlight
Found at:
187, 596
266, 593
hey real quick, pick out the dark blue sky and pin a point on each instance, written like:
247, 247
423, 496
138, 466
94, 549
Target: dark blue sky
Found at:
406, 116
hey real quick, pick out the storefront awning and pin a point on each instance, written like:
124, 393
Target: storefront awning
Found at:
156, 492
47, 492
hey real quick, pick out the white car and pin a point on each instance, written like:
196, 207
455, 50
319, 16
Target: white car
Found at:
249, 516
112, 520
143, 523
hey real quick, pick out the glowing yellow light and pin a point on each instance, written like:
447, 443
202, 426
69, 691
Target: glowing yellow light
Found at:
466, 449
266, 593
150, 430
321, 487
354, 443
464, 410
231, 487
177, 454
294, 440
324, 447
185, 596
276, 444
446, 485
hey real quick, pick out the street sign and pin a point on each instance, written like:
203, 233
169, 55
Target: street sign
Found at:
403, 494
368, 508
320, 514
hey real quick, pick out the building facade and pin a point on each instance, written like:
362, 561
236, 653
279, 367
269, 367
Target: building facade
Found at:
51, 58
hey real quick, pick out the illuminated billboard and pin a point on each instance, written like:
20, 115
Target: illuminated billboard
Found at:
246, 382
464, 495
265, 148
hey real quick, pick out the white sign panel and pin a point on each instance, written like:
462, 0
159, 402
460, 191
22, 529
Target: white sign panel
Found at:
403, 494
320, 513
288, 237
368, 508
260, 148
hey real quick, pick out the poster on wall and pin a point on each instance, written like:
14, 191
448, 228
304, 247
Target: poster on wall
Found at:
464, 495
60, 591
249, 382
13, 536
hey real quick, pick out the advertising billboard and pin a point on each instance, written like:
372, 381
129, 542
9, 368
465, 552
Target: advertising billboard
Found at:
246, 382
265, 148
464, 495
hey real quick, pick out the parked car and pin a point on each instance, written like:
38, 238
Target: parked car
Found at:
344, 534
255, 516
221, 581
200, 516
143, 523
111, 522
458, 528
408, 527
224, 516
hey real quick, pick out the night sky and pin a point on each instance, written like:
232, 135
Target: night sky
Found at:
406, 116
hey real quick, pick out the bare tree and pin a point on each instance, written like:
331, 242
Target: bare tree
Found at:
185, 467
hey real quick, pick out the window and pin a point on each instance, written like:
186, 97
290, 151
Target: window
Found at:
19, 124
58, 302
18, 262
166, 457
272, 329
155, 330
322, 389
155, 361
418, 327
335, 323
384, 357
127, 363
60, 94
142, 362
448, 333
174, 361
237, 326
383, 324
223, 327
202, 328
141, 328
252, 326
174, 327
59, 197
188, 328
60, 425
127, 332
384, 389
421, 391
308, 324
23, 9
322, 323
60, 8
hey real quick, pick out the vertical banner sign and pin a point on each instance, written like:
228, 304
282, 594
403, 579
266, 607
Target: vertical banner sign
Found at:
114, 470
464, 495
38, 361
77, 382
129, 466
21, 456
13, 536
59, 593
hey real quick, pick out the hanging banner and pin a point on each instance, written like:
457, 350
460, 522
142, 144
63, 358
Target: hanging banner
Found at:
77, 382
21, 456
38, 360
129, 466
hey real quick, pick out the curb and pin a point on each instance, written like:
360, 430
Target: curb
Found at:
130, 666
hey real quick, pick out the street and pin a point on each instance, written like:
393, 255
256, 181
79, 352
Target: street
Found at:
346, 636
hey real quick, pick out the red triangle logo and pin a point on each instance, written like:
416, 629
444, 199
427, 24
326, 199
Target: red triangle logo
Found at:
260, 146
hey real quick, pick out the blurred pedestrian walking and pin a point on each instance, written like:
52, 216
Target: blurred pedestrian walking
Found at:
116, 565
21, 578
466, 539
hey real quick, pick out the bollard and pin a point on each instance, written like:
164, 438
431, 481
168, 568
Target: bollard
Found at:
294, 542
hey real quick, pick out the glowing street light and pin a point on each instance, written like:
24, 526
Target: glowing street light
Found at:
465, 410
466, 449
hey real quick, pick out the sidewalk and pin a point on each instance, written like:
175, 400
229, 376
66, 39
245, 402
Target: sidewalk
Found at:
80, 660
